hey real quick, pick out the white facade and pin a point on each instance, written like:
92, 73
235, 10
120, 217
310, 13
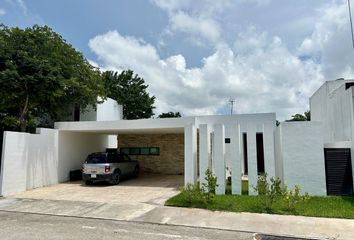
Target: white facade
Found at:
293, 151
300, 159
332, 104
29, 161
108, 110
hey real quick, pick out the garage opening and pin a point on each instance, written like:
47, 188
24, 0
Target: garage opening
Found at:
160, 155
339, 177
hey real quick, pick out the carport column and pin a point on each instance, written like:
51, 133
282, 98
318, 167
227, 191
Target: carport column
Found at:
190, 154
252, 158
219, 157
204, 151
236, 157
268, 145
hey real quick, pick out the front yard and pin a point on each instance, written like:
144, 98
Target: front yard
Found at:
335, 207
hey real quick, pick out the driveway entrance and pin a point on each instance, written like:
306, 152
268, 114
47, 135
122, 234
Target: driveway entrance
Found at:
150, 189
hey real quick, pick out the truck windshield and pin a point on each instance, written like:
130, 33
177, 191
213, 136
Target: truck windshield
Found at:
96, 158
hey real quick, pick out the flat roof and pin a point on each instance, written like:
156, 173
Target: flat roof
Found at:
159, 125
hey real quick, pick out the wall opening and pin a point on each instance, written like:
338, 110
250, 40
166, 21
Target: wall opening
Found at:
260, 153
339, 176
245, 155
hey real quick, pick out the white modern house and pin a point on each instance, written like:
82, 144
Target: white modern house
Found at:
314, 155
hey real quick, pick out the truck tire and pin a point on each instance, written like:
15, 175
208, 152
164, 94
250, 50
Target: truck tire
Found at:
115, 178
136, 172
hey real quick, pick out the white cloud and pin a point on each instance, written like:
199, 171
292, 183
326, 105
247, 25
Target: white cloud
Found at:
19, 3
200, 27
258, 68
195, 18
268, 79
330, 42
2, 12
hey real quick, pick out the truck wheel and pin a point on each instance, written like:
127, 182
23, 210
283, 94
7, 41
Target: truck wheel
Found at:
88, 182
136, 172
115, 178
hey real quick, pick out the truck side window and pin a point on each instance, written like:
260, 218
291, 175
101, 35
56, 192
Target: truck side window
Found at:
126, 158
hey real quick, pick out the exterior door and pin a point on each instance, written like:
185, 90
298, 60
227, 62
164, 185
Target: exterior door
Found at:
339, 176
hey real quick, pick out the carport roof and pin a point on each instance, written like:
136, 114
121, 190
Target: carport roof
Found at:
165, 125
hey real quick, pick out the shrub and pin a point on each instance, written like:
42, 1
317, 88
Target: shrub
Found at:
272, 192
293, 197
268, 192
193, 193
210, 185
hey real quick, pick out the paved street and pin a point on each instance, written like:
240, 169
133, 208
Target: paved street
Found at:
33, 226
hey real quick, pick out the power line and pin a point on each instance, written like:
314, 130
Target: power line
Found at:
351, 23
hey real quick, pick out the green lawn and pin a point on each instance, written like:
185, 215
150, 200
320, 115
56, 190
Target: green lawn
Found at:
337, 207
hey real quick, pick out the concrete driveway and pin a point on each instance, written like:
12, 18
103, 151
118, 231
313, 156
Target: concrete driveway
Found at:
150, 189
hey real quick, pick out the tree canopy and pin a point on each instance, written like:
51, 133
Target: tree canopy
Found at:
301, 117
170, 115
130, 91
40, 73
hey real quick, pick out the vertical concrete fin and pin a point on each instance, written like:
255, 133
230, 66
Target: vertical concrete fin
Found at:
219, 157
204, 151
236, 157
252, 158
268, 145
190, 154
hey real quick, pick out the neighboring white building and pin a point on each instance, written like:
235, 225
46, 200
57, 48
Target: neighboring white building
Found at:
108, 110
300, 153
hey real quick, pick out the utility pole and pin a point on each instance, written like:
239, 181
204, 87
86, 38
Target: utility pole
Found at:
351, 23
232, 101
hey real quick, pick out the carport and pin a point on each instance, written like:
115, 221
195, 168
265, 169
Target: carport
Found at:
157, 144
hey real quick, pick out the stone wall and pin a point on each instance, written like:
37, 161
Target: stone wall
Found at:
171, 158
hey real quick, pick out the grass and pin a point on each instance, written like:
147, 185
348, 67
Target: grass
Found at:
331, 206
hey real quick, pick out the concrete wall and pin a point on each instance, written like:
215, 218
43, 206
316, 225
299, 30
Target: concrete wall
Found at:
171, 158
258, 120
301, 157
109, 110
74, 148
28, 161
332, 104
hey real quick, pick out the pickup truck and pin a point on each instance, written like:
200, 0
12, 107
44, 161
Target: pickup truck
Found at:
109, 166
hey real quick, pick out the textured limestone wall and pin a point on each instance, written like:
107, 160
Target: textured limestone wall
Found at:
171, 158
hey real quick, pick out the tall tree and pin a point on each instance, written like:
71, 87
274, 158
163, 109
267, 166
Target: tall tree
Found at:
40, 73
301, 117
130, 91
170, 115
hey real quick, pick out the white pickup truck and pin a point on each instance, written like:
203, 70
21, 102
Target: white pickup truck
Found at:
109, 166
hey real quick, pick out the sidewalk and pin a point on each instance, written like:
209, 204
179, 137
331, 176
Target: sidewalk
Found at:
322, 228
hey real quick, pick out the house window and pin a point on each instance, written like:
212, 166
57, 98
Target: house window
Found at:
227, 140
141, 150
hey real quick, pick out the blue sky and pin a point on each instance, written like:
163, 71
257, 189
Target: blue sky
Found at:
270, 55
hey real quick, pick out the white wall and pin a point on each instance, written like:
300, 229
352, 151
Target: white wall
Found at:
109, 110
244, 120
74, 148
28, 161
332, 105
302, 156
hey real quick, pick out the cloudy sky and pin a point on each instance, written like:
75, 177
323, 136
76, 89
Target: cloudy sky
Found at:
269, 55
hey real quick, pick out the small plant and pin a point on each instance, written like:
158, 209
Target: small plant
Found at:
293, 197
193, 193
262, 187
272, 192
210, 185
268, 192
